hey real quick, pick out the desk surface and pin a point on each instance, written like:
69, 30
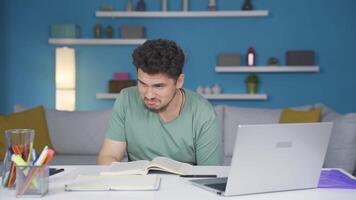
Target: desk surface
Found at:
172, 187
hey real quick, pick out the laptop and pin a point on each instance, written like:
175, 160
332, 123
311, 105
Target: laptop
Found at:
273, 157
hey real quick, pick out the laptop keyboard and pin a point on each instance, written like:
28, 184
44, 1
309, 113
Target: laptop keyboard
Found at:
217, 186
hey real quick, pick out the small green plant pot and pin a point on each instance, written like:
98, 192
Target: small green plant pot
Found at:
251, 88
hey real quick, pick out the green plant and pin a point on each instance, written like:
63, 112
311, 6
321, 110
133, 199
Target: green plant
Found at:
252, 78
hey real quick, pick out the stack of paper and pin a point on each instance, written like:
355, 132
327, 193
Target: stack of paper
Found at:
119, 182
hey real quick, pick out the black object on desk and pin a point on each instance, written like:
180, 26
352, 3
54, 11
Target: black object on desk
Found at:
199, 176
53, 171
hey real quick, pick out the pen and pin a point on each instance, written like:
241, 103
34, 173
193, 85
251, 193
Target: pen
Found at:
34, 156
41, 158
199, 176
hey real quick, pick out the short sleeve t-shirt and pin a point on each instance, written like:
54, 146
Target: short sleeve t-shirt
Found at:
192, 137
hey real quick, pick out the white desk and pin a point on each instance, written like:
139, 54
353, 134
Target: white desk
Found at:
172, 187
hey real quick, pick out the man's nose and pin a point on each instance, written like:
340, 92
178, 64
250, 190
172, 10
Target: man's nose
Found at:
149, 93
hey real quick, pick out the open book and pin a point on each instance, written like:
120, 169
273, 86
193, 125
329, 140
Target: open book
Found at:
144, 166
107, 183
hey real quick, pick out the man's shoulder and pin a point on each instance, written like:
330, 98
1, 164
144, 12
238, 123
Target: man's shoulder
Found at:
128, 96
129, 91
196, 100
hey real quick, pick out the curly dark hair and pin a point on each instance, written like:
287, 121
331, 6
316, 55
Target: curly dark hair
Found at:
159, 56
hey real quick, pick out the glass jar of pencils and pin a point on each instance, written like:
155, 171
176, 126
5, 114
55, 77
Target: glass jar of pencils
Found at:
19, 142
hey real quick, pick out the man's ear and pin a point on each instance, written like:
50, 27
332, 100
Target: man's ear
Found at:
180, 81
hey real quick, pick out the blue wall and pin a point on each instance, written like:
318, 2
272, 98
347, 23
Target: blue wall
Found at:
2, 57
326, 26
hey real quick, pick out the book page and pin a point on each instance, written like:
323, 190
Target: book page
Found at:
119, 182
119, 168
170, 165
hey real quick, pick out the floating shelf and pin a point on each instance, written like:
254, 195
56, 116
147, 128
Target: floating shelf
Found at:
107, 95
267, 69
210, 97
236, 96
75, 41
181, 14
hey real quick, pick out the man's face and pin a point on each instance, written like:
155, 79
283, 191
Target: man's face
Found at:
157, 90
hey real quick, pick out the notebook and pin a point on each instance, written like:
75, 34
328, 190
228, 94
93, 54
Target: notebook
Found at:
273, 157
113, 183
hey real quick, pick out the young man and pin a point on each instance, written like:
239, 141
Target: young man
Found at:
159, 117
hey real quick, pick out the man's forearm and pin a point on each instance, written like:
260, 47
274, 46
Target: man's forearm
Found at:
105, 160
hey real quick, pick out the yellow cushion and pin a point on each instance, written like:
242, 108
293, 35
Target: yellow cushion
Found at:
294, 116
30, 119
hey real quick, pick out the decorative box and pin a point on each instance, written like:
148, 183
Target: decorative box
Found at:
121, 76
115, 86
132, 32
300, 58
65, 31
229, 59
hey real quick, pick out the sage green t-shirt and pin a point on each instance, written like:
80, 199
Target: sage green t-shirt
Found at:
193, 137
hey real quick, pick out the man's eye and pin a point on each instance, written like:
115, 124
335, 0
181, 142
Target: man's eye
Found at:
141, 84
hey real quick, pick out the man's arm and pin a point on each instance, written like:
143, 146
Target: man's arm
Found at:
209, 149
111, 151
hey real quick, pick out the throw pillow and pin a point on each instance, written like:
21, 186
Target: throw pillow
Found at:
29, 119
293, 116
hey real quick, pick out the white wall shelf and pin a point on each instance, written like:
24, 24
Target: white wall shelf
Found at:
107, 95
181, 14
266, 69
210, 97
236, 96
104, 41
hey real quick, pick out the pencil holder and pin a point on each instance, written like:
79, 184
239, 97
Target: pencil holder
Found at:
20, 142
32, 181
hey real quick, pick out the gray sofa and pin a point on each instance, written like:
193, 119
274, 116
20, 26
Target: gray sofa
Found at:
77, 136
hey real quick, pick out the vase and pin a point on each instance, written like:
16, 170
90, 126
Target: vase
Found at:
141, 6
200, 89
98, 31
212, 5
207, 90
164, 5
109, 31
216, 89
251, 88
129, 6
185, 5
247, 5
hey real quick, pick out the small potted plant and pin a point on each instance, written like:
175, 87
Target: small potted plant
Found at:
252, 83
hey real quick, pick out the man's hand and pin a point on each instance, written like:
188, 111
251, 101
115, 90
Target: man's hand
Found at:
111, 151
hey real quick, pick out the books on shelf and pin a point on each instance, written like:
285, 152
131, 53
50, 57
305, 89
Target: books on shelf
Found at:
114, 183
142, 167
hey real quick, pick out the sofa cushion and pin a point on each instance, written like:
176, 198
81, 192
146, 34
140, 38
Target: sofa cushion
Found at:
30, 119
78, 132
235, 116
300, 116
327, 114
341, 151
